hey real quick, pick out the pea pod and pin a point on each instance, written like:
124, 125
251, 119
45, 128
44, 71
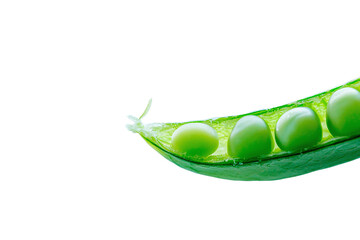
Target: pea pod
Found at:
327, 151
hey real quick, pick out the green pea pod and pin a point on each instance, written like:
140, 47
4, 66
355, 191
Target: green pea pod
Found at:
329, 151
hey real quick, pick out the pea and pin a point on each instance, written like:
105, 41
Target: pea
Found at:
300, 128
297, 129
195, 139
343, 112
251, 137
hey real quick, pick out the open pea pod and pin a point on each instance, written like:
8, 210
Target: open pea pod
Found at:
279, 164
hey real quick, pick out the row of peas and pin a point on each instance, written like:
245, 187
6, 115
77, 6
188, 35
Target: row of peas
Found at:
296, 130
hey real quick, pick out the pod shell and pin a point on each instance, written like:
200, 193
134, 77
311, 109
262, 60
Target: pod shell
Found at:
274, 169
277, 165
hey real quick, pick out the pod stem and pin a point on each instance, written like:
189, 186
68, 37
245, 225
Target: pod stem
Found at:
138, 125
147, 109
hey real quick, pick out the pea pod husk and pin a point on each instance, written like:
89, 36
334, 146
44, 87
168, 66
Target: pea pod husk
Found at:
277, 165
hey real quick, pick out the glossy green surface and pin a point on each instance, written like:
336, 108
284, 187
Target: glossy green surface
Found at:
276, 168
195, 139
278, 164
250, 138
297, 129
343, 112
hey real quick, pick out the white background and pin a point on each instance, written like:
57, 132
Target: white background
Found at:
71, 72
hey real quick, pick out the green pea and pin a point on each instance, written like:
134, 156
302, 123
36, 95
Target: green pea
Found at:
251, 137
343, 112
297, 129
195, 139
